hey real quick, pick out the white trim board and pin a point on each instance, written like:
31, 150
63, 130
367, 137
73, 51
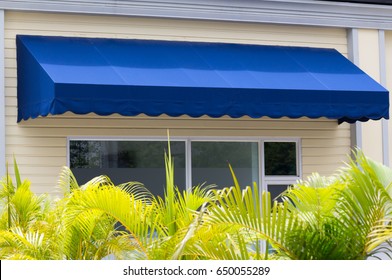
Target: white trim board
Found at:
383, 81
2, 98
300, 12
353, 53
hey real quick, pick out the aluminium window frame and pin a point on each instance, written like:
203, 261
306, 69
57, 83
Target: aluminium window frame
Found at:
282, 179
263, 180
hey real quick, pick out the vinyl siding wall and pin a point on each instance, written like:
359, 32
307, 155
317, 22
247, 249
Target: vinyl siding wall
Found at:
40, 145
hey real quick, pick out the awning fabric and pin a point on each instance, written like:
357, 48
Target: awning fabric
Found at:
131, 77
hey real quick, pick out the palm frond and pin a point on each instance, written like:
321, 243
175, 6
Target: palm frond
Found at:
364, 205
98, 181
190, 230
171, 192
245, 209
17, 174
67, 181
314, 204
380, 234
222, 242
138, 218
117, 244
26, 206
17, 244
138, 191
383, 251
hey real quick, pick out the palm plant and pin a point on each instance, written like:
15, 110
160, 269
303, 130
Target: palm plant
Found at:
22, 220
239, 221
151, 227
343, 217
365, 210
91, 215
347, 216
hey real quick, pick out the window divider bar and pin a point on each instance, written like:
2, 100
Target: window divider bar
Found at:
188, 164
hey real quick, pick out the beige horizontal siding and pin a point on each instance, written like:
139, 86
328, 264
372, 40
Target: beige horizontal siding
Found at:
40, 145
282, 129
191, 30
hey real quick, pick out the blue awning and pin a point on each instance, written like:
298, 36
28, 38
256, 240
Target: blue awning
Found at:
131, 77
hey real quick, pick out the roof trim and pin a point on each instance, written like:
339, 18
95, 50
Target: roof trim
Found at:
300, 12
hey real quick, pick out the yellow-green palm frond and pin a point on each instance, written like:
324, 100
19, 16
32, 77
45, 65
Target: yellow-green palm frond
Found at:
364, 209
138, 191
116, 244
224, 242
96, 201
190, 203
231, 247
99, 181
380, 234
189, 230
245, 209
178, 209
314, 203
23, 208
67, 181
26, 206
17, 244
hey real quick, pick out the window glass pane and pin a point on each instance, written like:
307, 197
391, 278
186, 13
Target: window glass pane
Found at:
280, 158
125, 161
276, 190
210, 163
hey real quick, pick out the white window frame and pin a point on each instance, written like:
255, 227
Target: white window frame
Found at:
281, 179
263, 180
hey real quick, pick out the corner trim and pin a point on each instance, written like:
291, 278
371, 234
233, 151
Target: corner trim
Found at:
2, 97
383, 81
353, 55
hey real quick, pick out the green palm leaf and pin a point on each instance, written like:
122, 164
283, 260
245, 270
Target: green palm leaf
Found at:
245, 210
17, 244
97, 201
